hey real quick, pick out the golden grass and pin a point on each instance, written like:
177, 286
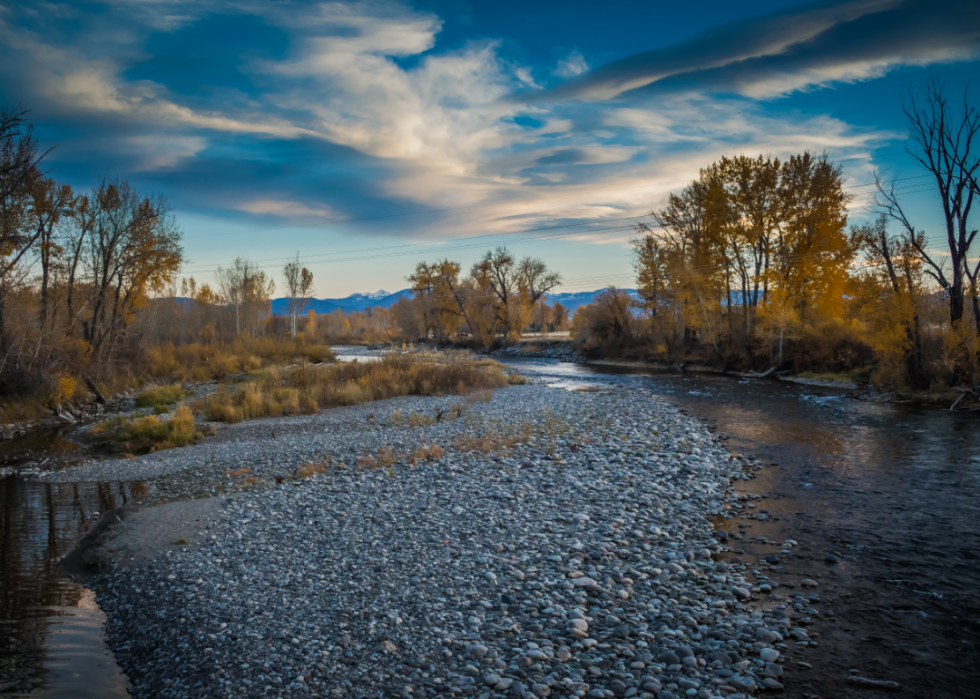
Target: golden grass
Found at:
147, 434
310, 469
304, 389
200, 362
160, 396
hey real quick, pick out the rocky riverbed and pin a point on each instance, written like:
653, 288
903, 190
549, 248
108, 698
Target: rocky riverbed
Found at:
554, 544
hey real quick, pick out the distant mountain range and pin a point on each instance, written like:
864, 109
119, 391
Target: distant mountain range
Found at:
382, 299
354, 302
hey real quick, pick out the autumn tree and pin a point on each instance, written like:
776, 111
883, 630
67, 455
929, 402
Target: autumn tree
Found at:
248, 290
895, 267
133, 249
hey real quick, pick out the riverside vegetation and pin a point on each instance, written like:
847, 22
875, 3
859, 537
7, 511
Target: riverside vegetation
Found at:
296, 390
752, 267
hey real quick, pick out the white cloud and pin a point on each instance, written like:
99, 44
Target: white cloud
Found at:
573, 64
288, 209
435, 125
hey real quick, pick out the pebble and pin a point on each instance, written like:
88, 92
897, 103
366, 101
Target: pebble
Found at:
590, 574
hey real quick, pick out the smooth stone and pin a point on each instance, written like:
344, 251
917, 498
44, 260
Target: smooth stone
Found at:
769, 655
477, 651
773, 670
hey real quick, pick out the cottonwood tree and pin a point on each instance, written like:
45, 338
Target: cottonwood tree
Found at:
132, 248
247, 288
511, 288
51, 205
299, 287
894, 264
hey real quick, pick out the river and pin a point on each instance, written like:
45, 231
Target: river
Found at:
892, 491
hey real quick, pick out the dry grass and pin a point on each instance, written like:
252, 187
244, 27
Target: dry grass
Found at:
304, 389
161, 397
310, 469
430, 452
147, 434
200, 362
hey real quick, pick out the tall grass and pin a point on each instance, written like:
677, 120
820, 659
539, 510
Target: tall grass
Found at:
199, 362
147, 434
305, 389
160, 397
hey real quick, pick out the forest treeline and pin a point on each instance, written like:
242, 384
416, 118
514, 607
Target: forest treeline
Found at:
753, 266
92, 300
501, 298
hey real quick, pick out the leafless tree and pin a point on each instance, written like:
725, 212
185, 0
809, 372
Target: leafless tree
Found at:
299, 286
535, 279
943, 141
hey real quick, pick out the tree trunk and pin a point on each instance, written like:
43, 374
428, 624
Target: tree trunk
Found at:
976, 313
956, 301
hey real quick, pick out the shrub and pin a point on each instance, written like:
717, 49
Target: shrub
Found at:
160, 396
147, 434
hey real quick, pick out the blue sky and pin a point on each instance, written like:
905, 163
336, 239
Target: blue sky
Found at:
370, 135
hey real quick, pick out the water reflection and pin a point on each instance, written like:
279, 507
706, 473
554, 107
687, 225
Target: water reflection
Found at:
51, 630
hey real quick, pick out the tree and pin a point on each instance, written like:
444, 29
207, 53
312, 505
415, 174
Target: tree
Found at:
894, 263
494, 276
943, 142
248, 290
19, 158
133, 248
299, 287
814, 253
511, 289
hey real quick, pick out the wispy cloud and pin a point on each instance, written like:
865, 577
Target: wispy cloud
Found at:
358, 113
798, 48
571, 65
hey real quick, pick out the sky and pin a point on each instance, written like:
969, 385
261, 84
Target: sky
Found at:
368, 136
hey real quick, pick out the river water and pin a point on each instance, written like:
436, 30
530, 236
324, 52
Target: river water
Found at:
892, 491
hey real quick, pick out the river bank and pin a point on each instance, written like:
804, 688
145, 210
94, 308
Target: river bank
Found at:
576, 562
885, 488
564, 350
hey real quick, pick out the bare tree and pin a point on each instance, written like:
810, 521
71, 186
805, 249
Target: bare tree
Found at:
233, 284
535, 279
942, 140
299, 286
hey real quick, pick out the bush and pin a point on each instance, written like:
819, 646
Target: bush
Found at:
161, 396
246, 355
147, 434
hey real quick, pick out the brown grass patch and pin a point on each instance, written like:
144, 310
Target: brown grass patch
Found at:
200, 362
303, 389
147, 434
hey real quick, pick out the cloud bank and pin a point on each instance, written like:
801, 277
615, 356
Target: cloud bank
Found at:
799, 48
345, 112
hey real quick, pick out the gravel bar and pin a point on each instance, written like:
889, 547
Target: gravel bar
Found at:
561, 545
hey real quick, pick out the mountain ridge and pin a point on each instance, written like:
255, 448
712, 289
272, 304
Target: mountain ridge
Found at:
383, 299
